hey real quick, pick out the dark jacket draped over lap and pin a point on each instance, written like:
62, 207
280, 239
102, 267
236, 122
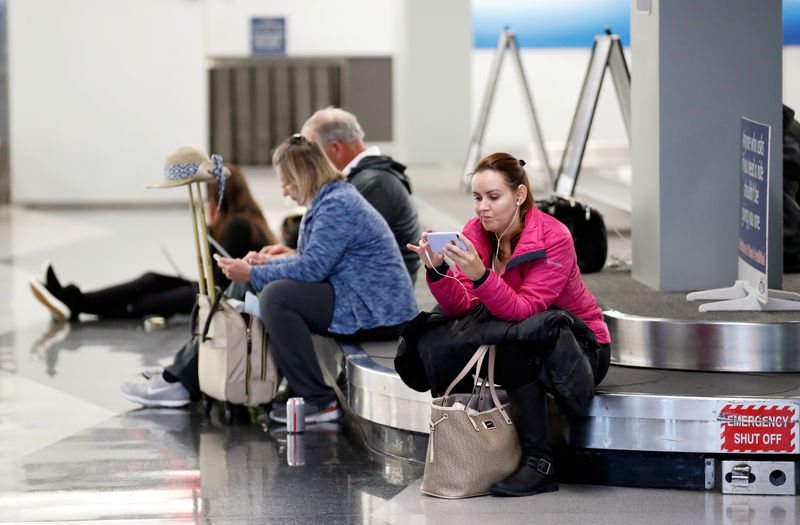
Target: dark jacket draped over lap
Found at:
566, 347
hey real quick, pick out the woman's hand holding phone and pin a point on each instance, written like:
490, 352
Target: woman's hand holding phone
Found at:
467, 258
236, 270
423, 250
254, 258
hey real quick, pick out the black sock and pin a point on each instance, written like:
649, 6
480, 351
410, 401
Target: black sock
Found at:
169, 378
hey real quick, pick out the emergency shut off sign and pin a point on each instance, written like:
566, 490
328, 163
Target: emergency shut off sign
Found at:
759, 427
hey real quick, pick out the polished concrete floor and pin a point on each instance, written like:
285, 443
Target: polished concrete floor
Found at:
72, 450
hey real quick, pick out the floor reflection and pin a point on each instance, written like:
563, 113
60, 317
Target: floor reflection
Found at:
117, 335
178, 465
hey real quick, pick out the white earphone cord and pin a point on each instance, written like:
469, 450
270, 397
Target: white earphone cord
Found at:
497, 252
466, 293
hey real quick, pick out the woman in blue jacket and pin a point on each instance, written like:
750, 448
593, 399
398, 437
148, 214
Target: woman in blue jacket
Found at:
347, 280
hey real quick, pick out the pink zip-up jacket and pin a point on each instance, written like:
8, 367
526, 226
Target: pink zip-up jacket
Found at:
542, 272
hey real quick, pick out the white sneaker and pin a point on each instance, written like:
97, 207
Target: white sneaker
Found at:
156, 392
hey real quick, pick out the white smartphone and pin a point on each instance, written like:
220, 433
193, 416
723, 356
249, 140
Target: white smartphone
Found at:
438, 240
218, 246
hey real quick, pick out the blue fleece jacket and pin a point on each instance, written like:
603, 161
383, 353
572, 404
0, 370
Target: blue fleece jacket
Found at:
345, 241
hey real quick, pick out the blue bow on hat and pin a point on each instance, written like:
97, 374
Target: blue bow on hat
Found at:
219, 176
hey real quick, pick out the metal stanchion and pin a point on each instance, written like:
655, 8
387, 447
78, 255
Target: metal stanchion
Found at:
507, 41
606, 53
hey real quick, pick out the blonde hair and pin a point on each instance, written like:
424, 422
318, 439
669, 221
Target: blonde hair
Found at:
304, 164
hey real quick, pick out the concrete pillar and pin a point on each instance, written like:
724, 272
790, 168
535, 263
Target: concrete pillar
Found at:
697, 67
431, 80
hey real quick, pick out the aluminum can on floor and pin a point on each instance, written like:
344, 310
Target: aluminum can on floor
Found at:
295, 450
295, 414
154, 322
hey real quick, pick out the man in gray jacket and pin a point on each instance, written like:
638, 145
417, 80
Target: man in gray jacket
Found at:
380, 179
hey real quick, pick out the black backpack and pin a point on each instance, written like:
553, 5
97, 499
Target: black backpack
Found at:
587, 227
791, 192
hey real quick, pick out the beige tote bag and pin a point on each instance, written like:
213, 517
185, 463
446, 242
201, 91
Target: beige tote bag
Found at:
473, 443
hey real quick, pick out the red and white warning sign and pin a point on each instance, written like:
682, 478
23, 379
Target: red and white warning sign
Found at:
758, 427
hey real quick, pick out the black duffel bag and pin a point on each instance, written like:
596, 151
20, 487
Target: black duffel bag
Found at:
586, 226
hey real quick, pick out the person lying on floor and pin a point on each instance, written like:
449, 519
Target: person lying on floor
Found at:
347, 280
237, 224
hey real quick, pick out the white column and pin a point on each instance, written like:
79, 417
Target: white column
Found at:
696, 69
431, 81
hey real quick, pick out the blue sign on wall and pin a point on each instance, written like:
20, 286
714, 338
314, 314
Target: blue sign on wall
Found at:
268, 36
754, 177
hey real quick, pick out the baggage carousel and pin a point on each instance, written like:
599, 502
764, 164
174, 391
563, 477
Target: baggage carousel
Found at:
685, 392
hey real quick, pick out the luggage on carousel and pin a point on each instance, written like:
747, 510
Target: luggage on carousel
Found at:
587, 227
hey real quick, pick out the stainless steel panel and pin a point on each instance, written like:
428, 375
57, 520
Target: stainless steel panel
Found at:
322, 89
243, 137
703, 345
256, 102
775, 478
262, 145
282, 125
303, 104
635, 409
368, 94
221, 113
377, 394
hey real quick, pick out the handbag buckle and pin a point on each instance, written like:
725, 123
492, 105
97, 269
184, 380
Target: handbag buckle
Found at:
543, 466
488, 424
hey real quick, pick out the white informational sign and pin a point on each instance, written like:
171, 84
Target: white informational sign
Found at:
750, 291
753, 197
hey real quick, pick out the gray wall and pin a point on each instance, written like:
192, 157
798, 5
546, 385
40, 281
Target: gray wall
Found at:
698, 66
5, 174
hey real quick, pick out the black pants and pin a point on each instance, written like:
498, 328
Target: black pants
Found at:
150, 294
291, 311
516, 365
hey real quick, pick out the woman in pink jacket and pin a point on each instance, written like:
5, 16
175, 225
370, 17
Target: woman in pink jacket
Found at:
518, 262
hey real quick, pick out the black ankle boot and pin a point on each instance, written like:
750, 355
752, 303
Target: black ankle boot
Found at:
51, 282
534, 475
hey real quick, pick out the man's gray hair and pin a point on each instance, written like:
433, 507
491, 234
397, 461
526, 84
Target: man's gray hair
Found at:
333, 124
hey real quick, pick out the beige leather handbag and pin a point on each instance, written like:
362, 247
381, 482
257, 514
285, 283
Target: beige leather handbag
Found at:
473, 442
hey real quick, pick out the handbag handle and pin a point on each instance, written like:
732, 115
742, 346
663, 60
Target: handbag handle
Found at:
492, 355
477, 360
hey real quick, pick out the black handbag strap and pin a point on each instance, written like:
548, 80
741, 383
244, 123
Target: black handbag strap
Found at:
211, 312
193, 322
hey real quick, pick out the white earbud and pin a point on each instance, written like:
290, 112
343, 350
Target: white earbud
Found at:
519, 201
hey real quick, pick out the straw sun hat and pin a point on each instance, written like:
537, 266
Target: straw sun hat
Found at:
186, 165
